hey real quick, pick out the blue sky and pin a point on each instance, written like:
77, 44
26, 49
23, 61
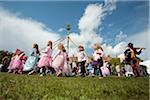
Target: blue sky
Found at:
129, 17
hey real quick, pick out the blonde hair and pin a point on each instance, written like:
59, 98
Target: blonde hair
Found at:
97, 46
34, 45
60, 46
81, 48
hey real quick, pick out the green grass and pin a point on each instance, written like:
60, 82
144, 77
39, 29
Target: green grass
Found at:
23, 87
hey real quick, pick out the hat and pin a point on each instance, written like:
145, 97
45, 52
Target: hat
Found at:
130, 45
18, 51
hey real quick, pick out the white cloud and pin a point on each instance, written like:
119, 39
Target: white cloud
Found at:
141, 40
116, 50
90, 22
120, 37
16, 32
61, 29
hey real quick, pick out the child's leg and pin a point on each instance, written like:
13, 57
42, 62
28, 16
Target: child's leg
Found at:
100, 71
42, 71
83, 68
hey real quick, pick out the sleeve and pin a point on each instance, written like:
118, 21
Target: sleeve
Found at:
45, 50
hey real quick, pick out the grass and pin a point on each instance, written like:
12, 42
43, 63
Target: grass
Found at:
23, 87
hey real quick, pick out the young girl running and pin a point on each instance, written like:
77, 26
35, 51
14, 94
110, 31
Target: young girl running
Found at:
33, 59
59, 60
45, 61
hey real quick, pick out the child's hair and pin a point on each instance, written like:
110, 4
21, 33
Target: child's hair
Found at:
64, 50
49, 43
36, 47
81, 48
97, 46
60, 46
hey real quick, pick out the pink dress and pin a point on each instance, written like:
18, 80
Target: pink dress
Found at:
58, 60
105, 70
11, 63
16, 62
46, 59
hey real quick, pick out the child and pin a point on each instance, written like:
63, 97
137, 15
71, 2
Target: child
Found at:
17, 63
59, 60
45, 61
98, 59
74, 68
33, 58
12, 60
90, 69
23, 59
105, 70
118, 70
82, 60
67, 68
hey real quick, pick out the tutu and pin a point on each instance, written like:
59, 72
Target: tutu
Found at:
45, 61
105, 71
16, 64
58, 62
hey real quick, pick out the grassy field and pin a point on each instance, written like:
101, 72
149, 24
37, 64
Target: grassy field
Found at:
23, 87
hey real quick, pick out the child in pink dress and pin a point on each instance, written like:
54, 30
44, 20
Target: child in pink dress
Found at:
59, 60
45, 61
17, 52
17, 64
105, 70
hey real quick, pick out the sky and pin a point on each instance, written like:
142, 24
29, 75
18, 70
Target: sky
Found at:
111, 23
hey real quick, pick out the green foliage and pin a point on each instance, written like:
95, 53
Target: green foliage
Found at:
115, 61
24, 87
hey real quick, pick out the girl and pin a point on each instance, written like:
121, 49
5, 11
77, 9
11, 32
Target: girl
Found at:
105, 70
67, 69
59, 60
45, 61
33, 58
12, 60
17, 63
81, 56
98, 59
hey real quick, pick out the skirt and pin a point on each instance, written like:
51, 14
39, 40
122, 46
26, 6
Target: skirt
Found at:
16, 64
45, 61
30, 63
105, 71
58, 62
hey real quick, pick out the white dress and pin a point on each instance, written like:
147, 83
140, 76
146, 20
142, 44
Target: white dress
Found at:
67, 68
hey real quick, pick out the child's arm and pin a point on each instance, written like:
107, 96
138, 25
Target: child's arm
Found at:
57, 53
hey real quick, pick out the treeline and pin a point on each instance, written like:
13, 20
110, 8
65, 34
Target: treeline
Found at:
5, 58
